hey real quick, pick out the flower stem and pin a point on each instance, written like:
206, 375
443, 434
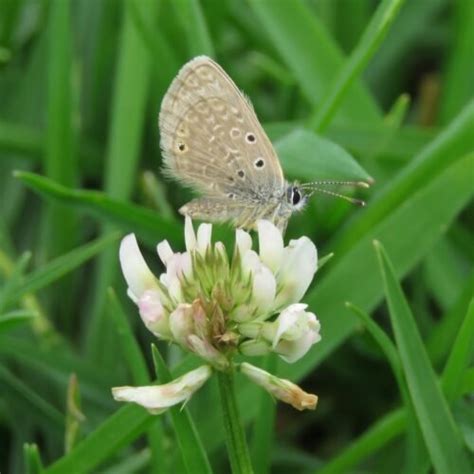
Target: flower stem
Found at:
236, 443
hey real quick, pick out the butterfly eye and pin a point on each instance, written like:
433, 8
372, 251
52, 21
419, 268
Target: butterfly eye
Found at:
295, 196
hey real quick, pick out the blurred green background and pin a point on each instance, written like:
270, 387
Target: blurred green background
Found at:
390, 82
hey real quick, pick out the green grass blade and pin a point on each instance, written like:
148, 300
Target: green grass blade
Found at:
126, 127
460, 357
292, 26
60, 226
12, 319
129, 217
61, 266
459, 74
13, 276
190, 444
436, 422
194, 24
373, 36
119, 430
32, 458
454, 142
137, 365
37, 404
263, 431
378, 435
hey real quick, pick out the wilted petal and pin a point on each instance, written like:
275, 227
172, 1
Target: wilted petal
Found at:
282, 389
158, 398
134, 268
270, 245
205, 350
300, 260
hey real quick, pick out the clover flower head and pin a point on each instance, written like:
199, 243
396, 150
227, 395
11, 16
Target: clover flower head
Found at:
217, 306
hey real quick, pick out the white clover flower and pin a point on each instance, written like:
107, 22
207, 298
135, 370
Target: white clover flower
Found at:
217, 307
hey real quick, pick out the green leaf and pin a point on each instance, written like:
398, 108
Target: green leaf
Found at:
13, 319
119, 430
373, 35
190, 444
440, 433
460, 357
145, 222
31, 455
292, 26
194, 24
306, 155
60, 266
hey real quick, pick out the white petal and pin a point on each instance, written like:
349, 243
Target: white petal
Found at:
270, 245
243, 241
134, 268
287, 319
181, 322
298, 267
157, 398
164, 251
204, 237
189, 235
264, 290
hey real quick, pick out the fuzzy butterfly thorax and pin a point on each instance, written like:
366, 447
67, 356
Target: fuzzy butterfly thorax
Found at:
213, 142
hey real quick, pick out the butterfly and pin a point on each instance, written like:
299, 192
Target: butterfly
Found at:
213, 142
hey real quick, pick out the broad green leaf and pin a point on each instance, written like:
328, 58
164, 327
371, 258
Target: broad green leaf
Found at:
131, 218
190, 444
440, 432
306, 155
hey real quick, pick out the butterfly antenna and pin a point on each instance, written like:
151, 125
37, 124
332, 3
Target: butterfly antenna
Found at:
360, 184
357, 202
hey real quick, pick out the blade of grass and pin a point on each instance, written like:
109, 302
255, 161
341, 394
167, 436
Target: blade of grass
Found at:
14, 275
264, 425
370, 41
460, 357
60, 266
440, 432
12, 319
194, 24
292, 26
128, 217
191, 447
137, 365
60, 226
37, 404
454, 142
459, 74
416, 458
32, 459
127, 120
